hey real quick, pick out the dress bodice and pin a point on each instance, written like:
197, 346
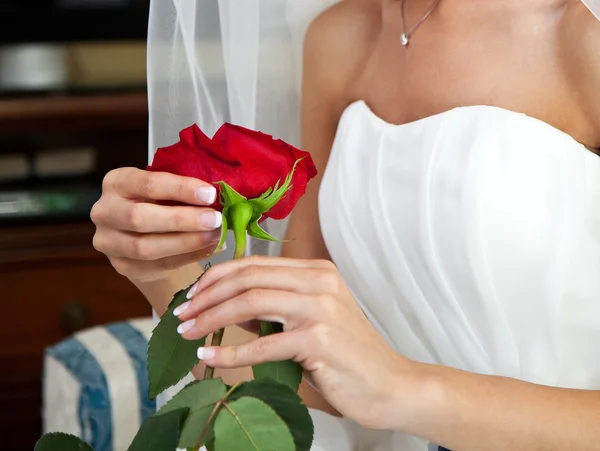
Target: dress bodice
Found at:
471, 239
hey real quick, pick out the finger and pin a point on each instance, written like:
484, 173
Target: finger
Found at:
251, 279
160, 186
153, 246
144, 217
289, 309
225, 269
273, 348
138, 269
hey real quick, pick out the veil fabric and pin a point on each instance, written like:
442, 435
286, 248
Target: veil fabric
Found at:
238, 61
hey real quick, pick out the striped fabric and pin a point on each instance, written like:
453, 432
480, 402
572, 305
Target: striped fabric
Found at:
96, 384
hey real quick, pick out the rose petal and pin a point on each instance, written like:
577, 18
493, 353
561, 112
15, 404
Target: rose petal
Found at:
250, 162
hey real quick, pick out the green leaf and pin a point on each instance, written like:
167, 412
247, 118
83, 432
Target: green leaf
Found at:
58, 441
286, 403
160, 433
200, 398
229, 196
270, 198
170, 357
286, 372
248, 424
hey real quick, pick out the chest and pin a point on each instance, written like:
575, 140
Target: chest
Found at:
469, 53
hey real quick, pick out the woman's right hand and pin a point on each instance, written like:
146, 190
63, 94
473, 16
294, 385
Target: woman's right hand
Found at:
144, 240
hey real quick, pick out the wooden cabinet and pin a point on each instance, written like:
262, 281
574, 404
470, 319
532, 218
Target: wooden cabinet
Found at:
52, 281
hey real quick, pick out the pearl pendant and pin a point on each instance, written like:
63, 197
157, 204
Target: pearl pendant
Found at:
404, 39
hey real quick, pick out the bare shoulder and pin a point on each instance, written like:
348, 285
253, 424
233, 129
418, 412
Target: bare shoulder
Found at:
584, 56
347, 22
338, 41
589, 42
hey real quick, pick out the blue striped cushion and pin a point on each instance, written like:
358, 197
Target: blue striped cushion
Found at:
96, 384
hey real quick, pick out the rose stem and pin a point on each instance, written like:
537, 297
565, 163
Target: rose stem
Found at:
239, 215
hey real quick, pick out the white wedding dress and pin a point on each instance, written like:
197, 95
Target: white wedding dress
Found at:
471, 239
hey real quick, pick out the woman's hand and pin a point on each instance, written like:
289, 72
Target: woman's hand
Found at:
324, 330
145, 240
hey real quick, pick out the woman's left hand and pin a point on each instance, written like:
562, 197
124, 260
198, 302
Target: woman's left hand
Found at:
324, 330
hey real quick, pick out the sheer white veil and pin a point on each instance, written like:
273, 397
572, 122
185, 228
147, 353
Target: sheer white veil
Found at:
216, 61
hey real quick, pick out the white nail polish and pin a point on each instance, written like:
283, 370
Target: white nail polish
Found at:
206, 353
211, 220
192, 291
184, 327
207, 194
182, 308
218, 219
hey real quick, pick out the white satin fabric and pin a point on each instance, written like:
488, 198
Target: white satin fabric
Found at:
471, 239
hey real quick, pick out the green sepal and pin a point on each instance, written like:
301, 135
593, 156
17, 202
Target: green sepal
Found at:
242, 215
256, 231
224, 228
229, 196
270, 198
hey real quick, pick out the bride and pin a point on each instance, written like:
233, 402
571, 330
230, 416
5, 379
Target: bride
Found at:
458, 196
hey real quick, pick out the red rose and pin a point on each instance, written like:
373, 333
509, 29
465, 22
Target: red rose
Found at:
248, 161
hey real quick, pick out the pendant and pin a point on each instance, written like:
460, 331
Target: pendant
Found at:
404, 39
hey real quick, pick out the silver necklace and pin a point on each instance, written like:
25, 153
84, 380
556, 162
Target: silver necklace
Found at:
406, 35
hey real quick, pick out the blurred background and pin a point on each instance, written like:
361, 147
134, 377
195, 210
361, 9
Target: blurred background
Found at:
72, 107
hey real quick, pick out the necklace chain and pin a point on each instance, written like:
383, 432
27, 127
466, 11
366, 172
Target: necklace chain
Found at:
406, 35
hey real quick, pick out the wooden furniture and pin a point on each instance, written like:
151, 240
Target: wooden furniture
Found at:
52, 281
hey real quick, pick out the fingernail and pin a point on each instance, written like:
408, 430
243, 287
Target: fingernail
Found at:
184, 327
207, 194
206, 353
182, 308
192, 291
211, 219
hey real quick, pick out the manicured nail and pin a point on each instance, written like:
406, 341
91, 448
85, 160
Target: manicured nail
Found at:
184, 327
206, 353
211, 219
207, 194
182, 308
192, 291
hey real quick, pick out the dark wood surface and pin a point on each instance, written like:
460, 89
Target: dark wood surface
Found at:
52, 281
70, 113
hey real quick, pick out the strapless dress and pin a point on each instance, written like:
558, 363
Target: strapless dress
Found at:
471, 239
